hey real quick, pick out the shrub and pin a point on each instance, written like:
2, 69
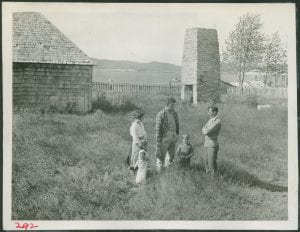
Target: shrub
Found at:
71, 107
214, 99
122, 104
252, 101
102, 103
127, 106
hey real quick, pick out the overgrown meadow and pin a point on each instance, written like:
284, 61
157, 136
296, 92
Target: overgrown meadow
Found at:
72, 167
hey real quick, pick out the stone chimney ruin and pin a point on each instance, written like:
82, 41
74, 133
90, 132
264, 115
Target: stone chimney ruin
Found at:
200, 70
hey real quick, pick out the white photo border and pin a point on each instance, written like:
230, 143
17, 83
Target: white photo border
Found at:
290, 224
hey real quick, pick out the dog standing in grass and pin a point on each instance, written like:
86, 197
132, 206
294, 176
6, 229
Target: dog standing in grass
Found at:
142, 164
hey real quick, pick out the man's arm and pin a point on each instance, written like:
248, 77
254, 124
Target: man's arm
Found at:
215, 126
178, 151
134, 134
176, 122
204, 129
191, 151
136, 165
158, 127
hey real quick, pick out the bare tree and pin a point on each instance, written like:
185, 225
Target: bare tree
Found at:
275, 57
245, 45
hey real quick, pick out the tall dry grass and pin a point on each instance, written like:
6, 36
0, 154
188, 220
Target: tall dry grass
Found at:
68, 167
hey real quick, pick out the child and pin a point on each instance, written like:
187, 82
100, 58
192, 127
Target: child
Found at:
142, 163
185, 151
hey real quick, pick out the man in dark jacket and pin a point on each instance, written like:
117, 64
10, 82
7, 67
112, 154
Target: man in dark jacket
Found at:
167, 131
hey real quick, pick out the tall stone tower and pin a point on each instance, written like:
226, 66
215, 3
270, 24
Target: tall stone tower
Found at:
200, 70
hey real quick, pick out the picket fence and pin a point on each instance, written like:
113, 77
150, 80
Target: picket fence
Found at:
118, 89
133, 89
267, 92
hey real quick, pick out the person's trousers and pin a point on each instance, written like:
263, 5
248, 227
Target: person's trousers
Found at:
210, 159
185, 163
134, 154
141, 174
166, 152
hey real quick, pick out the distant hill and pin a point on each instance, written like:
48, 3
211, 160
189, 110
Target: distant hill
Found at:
136, 66
153, 72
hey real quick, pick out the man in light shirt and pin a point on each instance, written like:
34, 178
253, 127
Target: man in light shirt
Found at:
211, 132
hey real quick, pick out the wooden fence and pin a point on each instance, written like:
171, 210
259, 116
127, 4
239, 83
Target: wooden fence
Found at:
133, 89
267, 92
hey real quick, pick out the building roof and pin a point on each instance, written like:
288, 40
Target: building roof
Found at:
226, 83
253, 84
37, 40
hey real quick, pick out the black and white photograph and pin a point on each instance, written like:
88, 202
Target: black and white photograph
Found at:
149, 116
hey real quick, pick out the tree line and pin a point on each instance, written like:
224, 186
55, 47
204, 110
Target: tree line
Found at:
248, 48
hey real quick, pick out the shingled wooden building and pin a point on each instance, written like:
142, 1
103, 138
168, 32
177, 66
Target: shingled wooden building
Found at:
48, 68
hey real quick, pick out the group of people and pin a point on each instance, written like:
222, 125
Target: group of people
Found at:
167, 133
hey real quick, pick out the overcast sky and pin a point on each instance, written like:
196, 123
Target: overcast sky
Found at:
151, 32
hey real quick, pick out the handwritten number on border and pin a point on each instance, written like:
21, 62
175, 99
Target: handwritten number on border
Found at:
25, 226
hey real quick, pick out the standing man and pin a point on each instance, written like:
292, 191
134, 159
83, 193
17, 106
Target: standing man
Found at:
167, 131
211, 132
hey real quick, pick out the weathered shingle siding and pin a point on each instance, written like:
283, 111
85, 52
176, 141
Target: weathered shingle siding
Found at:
38, 85
48, 68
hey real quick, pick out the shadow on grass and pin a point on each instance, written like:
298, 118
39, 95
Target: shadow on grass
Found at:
229, 172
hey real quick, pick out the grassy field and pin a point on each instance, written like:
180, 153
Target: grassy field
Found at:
73, 167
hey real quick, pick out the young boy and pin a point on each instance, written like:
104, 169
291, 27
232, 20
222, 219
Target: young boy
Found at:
185, 151
142, 163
